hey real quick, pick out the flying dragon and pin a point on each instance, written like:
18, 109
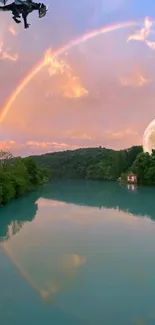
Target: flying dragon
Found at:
23, 8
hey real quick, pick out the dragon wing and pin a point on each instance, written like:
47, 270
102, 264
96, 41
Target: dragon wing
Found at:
26, 2
3, 1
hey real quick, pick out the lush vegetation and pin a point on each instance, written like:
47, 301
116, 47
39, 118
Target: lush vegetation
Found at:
144, 168
19, 176
101, 164
91, 163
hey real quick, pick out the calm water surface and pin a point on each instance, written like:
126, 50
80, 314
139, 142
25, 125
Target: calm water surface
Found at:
76, 253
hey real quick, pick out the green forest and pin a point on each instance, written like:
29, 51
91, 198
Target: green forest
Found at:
100, 164
90, 163
19, 176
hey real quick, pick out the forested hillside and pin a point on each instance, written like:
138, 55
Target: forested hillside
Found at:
90, 163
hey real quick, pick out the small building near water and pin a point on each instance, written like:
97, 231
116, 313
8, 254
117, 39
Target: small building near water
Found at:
132, 178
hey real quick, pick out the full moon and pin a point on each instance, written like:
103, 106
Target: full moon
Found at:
149, 138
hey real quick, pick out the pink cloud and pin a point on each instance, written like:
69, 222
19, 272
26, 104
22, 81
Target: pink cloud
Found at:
30, 147
11, 57
13, 31
120, 134
11, 145
79, 136
143, 33
135, 81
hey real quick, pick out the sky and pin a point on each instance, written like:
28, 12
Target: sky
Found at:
97, 93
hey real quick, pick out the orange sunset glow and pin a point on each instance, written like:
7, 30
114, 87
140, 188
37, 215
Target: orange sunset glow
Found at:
91, 93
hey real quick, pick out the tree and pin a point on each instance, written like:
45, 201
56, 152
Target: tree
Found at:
44, 174
4, 157
32, 169
19, 176
144, 168
7, 188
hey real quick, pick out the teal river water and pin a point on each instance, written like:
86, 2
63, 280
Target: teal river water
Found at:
78, 253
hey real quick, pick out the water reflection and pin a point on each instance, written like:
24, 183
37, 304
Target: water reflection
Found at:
103, 194
47, 276
132, 187
137, 201
51, 242
64, 276
16, 214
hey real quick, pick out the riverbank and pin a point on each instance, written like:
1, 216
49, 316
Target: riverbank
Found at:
20, 176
